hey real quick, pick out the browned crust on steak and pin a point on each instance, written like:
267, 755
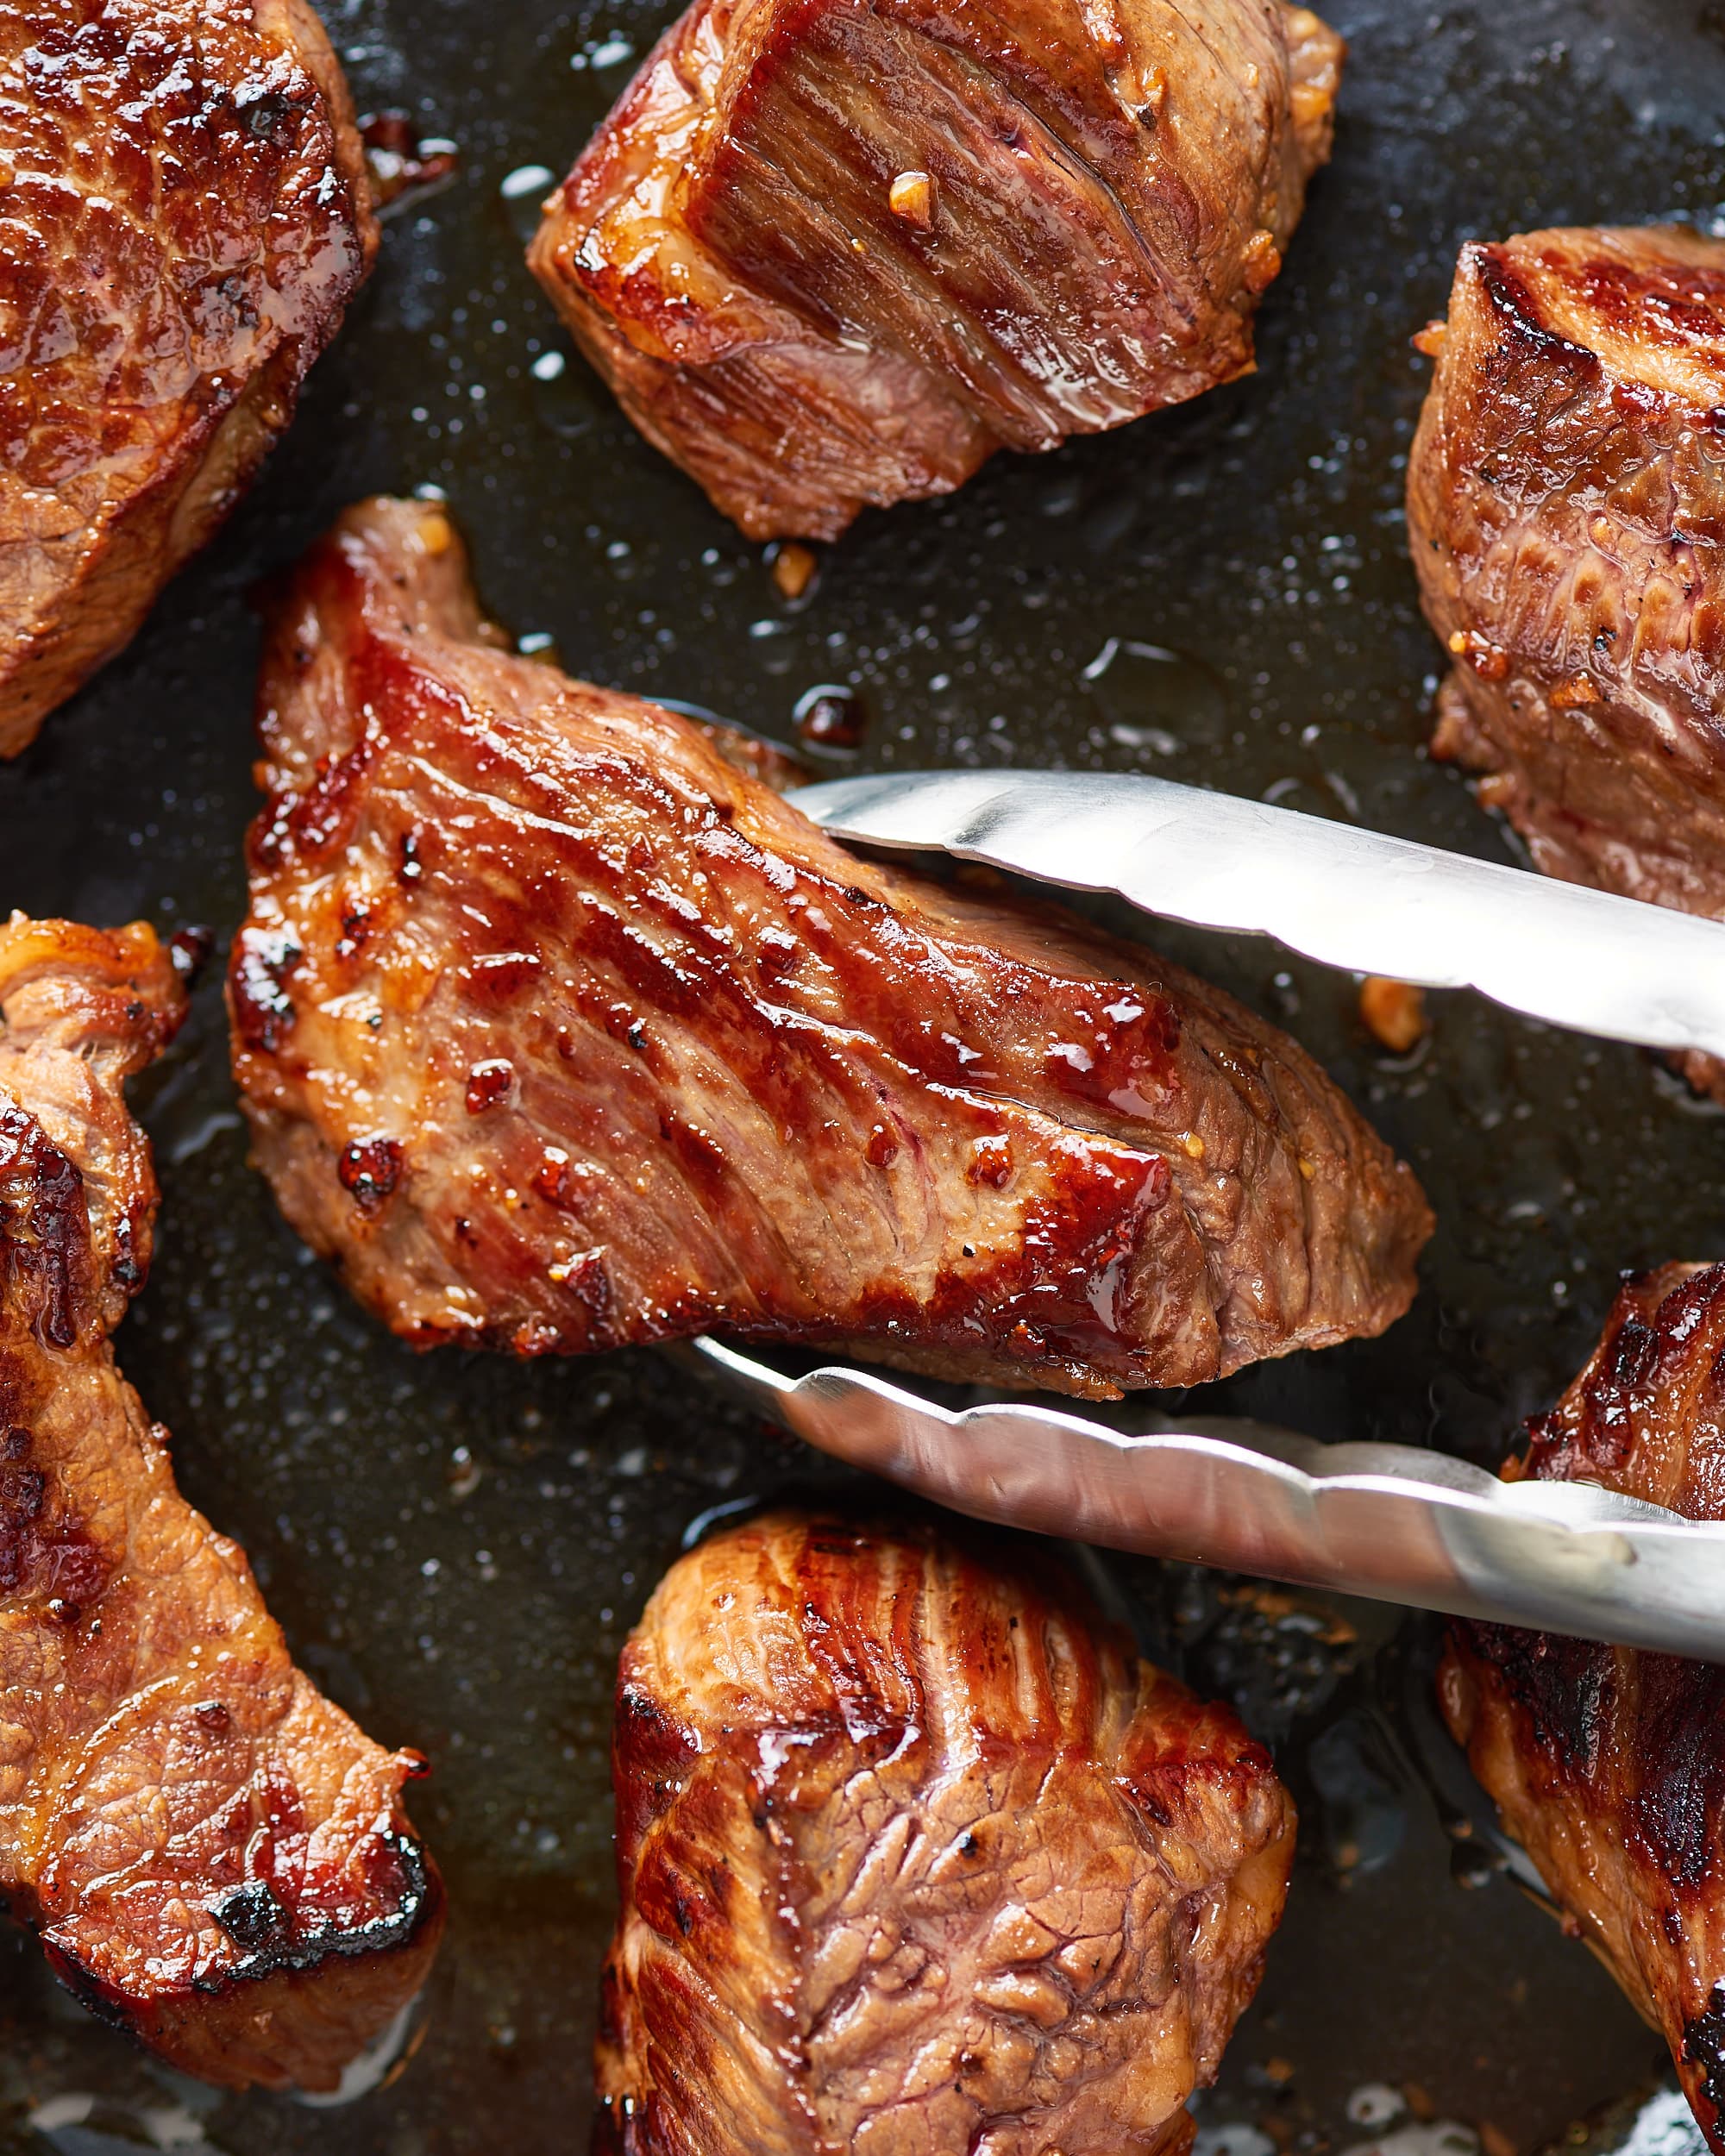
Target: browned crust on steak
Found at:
915, 1855
214, 1856
558, 1030
1566, 508
1110, 192
184, 220
1608, 1766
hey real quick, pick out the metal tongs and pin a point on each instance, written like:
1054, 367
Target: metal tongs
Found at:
1384, 1520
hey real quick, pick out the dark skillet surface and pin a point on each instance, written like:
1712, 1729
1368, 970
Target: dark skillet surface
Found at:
456, 1545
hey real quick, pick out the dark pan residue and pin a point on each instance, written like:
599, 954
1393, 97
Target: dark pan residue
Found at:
1220, 593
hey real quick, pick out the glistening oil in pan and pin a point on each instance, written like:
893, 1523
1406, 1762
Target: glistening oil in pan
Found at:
1219, 594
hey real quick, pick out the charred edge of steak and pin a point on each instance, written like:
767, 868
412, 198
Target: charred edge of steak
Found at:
1514, 307
1562, 1686
261, 1927
1628, 1406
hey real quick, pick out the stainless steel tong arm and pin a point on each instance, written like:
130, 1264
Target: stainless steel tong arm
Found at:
1348, 898
1381, 1520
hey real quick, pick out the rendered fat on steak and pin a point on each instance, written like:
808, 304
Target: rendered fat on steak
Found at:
216, 1858
916, 1856
1566, 503
1609, 1765
183, 218
829, 252
560, 1031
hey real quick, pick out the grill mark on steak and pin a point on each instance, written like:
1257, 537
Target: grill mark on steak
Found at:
1517, 314
215, 1858
1566, 508
1103, 196
914, 1854
184, 219
1606, 1763
756, 1082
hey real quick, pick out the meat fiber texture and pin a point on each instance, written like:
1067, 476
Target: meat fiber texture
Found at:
1566, 507
182, 219
829, 252
558, 1030
916, 1856
215, 1858
1606, 1763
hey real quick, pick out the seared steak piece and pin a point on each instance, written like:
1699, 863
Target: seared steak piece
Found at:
1566, 503
1608, 1765
829, 252
216, 1858
183, 218
559, 1030
916, 1856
